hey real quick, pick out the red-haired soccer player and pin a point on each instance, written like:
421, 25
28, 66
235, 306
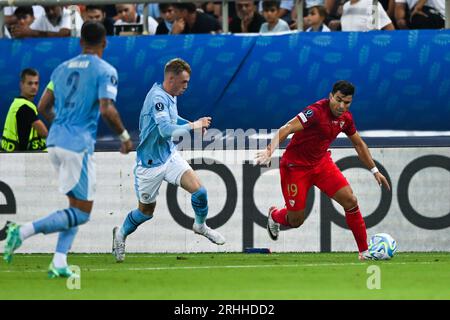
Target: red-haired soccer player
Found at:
307, 162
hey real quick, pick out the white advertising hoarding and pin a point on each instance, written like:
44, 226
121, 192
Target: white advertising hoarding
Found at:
416, 212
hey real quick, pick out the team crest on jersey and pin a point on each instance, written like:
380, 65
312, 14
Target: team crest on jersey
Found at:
114, 80
159, 106
292, 202
309, 113
341, 124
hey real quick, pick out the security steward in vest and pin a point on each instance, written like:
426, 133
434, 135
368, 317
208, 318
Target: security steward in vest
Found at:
23, 130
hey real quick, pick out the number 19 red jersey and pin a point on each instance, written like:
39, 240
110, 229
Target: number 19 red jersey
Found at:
308, 146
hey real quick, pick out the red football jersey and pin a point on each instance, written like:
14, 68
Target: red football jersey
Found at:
308, 146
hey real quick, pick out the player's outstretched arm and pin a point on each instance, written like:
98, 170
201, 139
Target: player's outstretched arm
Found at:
112, 118
264, 157
201, 123
366, 158
45, 105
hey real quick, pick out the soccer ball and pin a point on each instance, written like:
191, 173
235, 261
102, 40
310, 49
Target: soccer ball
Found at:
382, 246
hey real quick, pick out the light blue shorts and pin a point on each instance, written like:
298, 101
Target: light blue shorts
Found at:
76, 172
147, 181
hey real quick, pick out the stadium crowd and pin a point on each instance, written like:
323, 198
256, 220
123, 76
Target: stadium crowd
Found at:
206, 17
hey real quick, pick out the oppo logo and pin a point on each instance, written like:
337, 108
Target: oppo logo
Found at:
328, 214
10, 206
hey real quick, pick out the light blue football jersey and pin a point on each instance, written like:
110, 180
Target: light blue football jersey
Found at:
78, 84
159, 112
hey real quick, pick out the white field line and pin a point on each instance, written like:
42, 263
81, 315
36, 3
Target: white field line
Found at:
312, 265
191, 255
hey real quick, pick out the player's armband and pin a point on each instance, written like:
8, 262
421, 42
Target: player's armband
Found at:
51, 86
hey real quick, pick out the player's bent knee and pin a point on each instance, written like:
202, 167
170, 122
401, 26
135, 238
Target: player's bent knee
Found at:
79, 217
147, 209
351, 202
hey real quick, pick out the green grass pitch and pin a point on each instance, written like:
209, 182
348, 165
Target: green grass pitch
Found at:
232, 276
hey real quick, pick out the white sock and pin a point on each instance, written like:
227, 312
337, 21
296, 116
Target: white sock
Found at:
59, 260
26, 231
200, 226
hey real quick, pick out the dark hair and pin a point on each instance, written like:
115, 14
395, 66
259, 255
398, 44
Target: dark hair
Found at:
270, 4
94, 7
93, 32
28, 72
345, 87
320, 9
24, 11
189, 6
164, 6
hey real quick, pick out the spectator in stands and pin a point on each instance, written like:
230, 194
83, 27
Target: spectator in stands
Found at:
357, 16
389, 7
22, 16
97, 13
247, 19
57, 22
168, 15
316, 19
212, 8
110, 10
10, 17
189, 20
285, 11
127, 14
152, 10
307, 4
334, 12
420, 14
273, 24
23, 129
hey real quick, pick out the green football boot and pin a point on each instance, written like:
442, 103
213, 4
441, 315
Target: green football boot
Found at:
60, 272
13, 241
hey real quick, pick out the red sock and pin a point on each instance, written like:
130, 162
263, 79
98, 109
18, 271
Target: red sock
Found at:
356, 223
280, 216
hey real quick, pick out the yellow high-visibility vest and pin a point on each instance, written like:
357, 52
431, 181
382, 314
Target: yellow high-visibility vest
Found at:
10, 138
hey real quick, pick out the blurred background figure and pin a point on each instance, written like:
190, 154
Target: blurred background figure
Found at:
285, 12
57, 22
97, 13
127, 15
273, 24
23, 16
10, 17
357, 16
247, 18
420, 14
316, 19
168, 18
190, 20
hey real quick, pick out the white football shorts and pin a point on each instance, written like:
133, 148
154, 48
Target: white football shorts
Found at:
147, 181
76, 172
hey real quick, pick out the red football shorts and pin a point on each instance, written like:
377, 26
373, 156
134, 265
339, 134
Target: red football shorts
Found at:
296, 181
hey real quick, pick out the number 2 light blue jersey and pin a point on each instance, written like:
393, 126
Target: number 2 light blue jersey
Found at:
158, 123
78, 84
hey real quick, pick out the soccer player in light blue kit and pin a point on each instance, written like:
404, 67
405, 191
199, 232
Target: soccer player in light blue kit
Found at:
158, 159
79, 91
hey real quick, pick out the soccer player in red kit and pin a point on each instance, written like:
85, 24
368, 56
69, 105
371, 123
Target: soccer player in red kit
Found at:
307, 162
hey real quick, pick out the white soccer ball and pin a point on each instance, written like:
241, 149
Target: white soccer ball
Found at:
382, 246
